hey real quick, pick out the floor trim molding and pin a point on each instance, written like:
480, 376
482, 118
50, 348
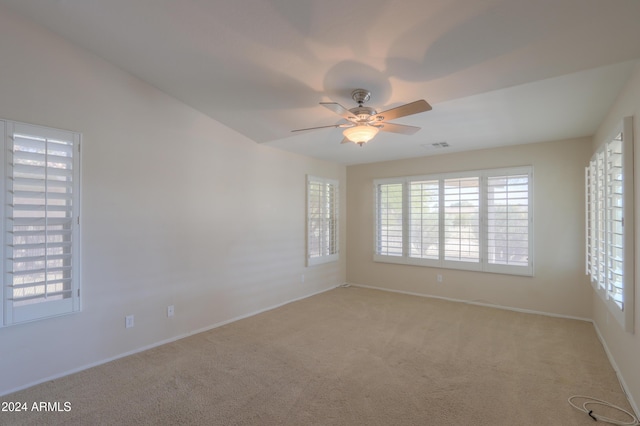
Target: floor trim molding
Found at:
163, 342
613, 363
473, 302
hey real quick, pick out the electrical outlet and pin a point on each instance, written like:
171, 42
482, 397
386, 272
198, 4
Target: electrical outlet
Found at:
170, 310
128, 321
439, 278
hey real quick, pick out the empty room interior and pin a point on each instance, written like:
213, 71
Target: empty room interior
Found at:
300, 212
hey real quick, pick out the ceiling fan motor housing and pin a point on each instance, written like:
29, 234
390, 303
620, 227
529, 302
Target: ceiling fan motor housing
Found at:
363, 113
361, 96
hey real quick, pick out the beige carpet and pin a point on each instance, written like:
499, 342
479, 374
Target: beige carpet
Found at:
350, 356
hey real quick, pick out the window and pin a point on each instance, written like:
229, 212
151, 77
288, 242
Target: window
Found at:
390, 220
40, 223
424, 218
473, 220
462, 219
322, 220
609, 223
508, 220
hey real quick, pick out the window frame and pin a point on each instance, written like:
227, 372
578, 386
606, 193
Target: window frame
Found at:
600, 226
17, 313
329, 221
483, 264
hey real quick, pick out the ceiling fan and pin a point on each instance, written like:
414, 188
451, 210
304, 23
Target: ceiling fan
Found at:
363, 123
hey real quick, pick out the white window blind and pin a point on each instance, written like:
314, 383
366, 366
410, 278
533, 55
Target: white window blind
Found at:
600, 237
591, 219
389, 219
614, 233
462, 219
609, 223
424, 219
41, 230
322, 220
508, 219
596, 220
472, 220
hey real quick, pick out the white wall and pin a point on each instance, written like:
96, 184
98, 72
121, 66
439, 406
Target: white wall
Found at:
624, 347
177, 209
559, 285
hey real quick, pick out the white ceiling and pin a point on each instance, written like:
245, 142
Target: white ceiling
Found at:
497, 72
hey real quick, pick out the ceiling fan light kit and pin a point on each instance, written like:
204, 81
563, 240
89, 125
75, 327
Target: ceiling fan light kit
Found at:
364, 123
360, 134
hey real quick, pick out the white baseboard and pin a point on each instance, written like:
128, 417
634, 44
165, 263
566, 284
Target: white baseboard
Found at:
162, 342
220, 324
612, 360
473, 302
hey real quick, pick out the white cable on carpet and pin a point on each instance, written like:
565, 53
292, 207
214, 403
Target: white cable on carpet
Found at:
598, 417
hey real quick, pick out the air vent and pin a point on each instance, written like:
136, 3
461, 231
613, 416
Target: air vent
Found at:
437, 145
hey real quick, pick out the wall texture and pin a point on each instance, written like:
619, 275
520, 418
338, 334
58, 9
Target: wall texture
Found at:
558, 286
624, 347
177, 209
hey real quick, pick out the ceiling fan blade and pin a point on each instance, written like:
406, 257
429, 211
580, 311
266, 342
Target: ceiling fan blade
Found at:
340, 110
345, 140
325, 127
404, 110
397, 128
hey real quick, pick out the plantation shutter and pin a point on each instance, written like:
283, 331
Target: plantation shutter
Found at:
613, 221
601, 276
610, 224
41, 229
462, 219
322, 220
590, 219
389, 221
508, 219
424, 222
475, 220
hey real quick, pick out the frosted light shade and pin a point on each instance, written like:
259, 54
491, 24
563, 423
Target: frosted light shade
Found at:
360, 134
